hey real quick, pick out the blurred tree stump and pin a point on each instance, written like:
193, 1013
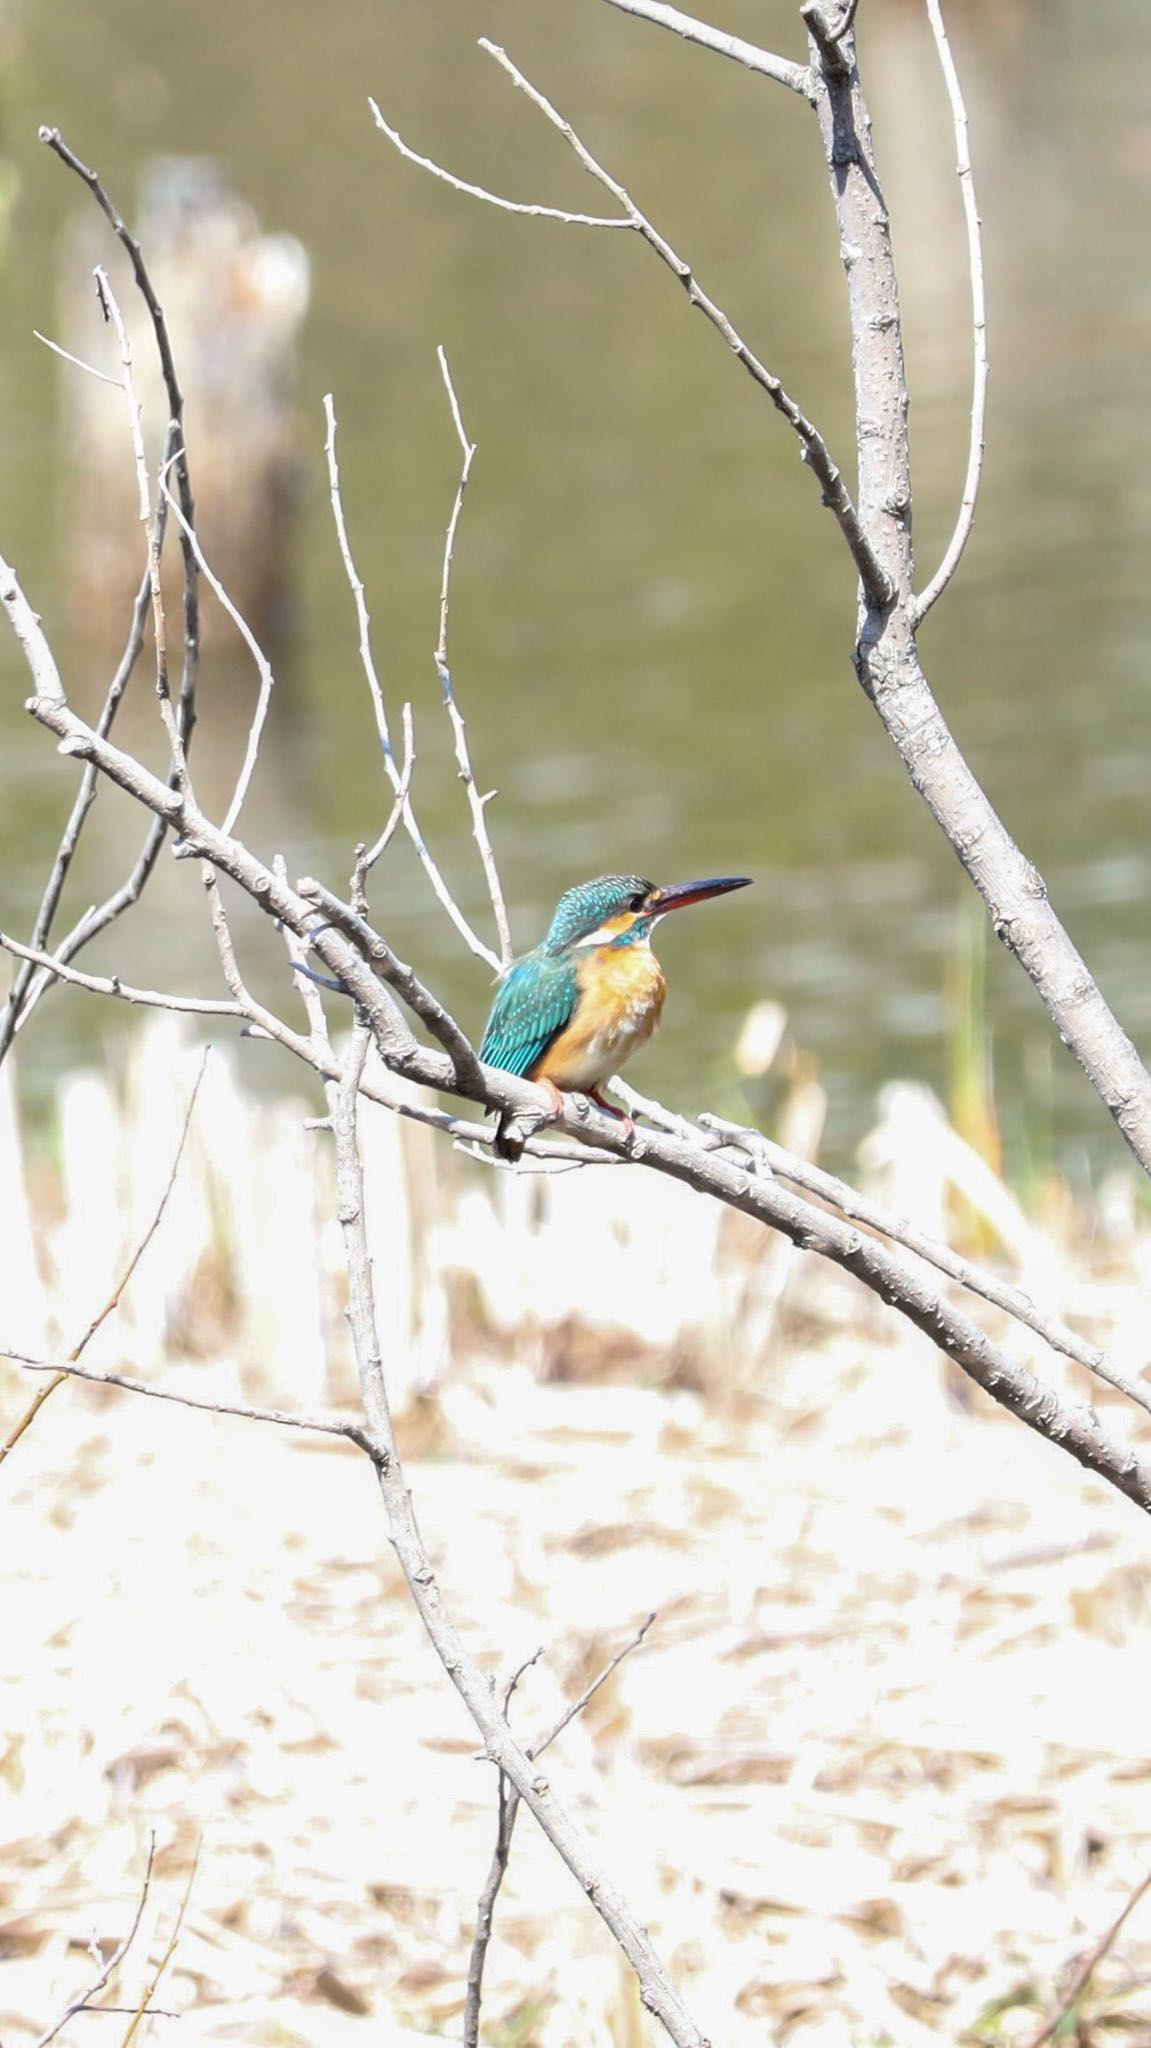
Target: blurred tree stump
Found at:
234, 298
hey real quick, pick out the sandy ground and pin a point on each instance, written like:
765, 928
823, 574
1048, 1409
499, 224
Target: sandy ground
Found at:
881, 1772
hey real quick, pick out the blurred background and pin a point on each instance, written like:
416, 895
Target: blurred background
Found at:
652, 618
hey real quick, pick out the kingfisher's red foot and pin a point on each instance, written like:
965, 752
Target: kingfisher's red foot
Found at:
556, 1096
622, 1116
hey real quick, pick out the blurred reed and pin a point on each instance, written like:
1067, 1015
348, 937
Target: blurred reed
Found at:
603, 1274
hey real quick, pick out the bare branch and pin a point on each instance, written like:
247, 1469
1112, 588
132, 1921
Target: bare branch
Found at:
263, 665
476, 803
111, 984
27, 988
152, 529
921, 605
77, 362
472, 1684
84, 2002
886, 658
796, 76
187, 703
26, 626
575, 220
998, 1292
145, 2006
367, 856
69, 1369
396, 777
508, 1809
113, 1300
1073, 1429
61, 1372
379, 954
828, 32
816, 454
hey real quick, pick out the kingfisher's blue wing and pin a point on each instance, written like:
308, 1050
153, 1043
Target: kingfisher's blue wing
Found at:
535, 1001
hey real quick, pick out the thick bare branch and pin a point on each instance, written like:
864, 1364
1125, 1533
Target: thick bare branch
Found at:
408, 987
1077, 1431
828, 1188
921, 605
886, 659
25, 624
749, 54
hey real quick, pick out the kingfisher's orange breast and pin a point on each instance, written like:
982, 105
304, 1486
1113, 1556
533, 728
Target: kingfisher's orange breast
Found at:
621, 999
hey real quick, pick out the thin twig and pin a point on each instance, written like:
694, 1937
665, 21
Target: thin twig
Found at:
263, 665
508, 1809
395, 775
62, 1372
766, 62
27, 991
84, 2002
69, 1369
367, 856
111, 985
590, 1691
476, 803
77, 362
153, 531
575, 220
876, 583
1087, 1970
28, 986
187, 701
145, 2005
921, 605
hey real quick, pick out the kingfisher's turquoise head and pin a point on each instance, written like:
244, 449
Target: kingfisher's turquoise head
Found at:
622, 910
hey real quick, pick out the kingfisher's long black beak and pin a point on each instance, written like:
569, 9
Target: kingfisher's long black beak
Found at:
682, 893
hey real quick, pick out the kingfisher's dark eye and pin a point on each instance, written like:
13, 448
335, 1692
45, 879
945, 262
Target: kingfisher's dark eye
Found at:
638, 900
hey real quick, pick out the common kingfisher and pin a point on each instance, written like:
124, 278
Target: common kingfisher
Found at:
572, 1011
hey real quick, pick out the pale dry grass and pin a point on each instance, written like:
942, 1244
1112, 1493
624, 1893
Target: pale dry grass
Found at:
881, 1768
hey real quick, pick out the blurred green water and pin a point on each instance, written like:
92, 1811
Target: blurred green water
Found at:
652, 617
